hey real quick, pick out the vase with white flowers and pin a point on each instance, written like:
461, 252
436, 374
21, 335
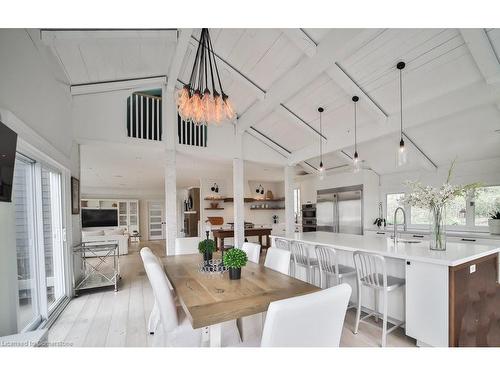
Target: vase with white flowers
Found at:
435, 199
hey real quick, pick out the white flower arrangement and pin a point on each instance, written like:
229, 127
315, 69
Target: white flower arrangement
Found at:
429, 197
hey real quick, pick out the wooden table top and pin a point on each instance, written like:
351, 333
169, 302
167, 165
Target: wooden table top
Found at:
209, 300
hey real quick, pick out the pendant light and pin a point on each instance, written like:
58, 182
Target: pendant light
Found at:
402, 156
203, 100
355, 160
321, 168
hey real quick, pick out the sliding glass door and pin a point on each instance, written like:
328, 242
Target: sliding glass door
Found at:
39, 240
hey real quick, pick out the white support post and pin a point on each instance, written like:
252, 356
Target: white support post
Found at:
239, 192
289, 211
169, 122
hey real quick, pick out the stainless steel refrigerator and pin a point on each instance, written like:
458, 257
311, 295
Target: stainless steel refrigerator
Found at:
340, 210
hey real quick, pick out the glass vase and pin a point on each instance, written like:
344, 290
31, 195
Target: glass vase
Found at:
437, 229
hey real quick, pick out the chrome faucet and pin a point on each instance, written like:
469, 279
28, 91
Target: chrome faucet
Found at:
395, 225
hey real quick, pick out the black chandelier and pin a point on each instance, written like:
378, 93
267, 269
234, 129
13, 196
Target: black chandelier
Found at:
196, 102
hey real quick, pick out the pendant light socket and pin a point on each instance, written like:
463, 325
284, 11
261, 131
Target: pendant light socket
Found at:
320, 109
401, 65
355, 98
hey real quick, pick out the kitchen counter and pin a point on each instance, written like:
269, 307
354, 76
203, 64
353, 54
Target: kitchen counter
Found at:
448, 295
455, 254
449, 233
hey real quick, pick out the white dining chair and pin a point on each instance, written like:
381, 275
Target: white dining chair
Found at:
187, 245
174, 328
278, 260
252, 250
154, 318
329, 267
312, 320
371, 272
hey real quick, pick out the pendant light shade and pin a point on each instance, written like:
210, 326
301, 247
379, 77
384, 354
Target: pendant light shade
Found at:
402, 155
203, 100
355, 159
321, 167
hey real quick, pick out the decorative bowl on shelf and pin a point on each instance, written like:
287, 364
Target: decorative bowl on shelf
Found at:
214, 204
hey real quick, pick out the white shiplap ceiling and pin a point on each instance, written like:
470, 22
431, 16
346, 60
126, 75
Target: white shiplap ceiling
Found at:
260, 70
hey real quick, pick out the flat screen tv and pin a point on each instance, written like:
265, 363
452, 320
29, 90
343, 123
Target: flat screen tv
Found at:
99, 218
8, 142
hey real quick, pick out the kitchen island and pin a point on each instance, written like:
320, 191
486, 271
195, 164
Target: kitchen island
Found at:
451, 298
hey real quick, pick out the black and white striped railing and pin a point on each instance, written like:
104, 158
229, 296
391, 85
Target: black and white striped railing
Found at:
191, 134
144, 117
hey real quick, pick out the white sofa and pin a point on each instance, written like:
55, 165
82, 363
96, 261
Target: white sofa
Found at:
97, 236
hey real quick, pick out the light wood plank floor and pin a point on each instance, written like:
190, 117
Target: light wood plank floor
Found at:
107, 319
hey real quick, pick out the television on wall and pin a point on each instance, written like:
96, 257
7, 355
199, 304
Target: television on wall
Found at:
8, 143
92, 218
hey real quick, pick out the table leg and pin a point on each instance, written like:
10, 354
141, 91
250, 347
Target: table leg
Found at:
260, 240
268, 241
221, 248
215, 335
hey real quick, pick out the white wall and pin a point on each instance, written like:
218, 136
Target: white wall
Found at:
38, 108
103, 117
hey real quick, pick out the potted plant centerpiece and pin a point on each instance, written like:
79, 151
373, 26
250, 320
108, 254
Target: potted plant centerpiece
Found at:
494, 222
206, 248
435, 200
234, 259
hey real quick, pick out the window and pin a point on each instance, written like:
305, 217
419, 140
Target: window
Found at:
296, 202
487, 200
419, 215
392, 204
456, 211
39, 241
23, 198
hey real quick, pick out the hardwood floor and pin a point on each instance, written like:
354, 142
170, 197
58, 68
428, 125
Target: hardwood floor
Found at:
107, 319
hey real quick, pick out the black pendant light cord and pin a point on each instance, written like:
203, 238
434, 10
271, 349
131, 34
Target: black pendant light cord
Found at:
320, 110
401, 65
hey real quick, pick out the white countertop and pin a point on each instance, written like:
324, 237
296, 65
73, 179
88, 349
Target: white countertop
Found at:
449, 233
455, 253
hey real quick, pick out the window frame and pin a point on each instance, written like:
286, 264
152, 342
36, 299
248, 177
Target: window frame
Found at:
65, 266
469, 226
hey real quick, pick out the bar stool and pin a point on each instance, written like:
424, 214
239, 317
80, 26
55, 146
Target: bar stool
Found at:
301, 258
329, 266
371, 272
281, 243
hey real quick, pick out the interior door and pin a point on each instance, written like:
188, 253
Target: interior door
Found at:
155, 226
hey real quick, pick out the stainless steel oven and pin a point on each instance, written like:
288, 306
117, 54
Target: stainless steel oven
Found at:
309, 217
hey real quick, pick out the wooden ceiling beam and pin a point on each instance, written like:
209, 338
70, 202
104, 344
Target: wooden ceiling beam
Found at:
259, 92
184, 35
301, 40
337, 45
483, 54
351, 88
435, 108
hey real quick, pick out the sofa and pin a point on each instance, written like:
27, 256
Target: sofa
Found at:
106, 235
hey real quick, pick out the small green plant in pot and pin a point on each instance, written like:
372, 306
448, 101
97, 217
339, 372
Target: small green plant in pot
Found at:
206, 248
494, 222
234, 259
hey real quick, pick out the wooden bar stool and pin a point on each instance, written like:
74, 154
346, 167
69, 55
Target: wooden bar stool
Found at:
371, 272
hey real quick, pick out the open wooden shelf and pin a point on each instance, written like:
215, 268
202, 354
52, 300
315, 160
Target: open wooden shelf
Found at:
215, 199
251, 200
216, 208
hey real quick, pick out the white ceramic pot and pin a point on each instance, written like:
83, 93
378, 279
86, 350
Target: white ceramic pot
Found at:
494, 225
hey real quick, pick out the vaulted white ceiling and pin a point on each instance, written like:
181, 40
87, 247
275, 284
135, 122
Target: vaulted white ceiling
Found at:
277, 78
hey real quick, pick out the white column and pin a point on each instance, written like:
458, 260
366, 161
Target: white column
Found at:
289, 211
169, 123
239, 193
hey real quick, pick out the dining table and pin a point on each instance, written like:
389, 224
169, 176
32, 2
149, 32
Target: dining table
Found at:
211, 299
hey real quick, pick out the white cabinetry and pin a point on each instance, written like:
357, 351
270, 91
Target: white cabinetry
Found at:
427, 299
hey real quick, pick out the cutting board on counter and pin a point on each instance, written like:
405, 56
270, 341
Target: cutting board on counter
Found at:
216, 220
